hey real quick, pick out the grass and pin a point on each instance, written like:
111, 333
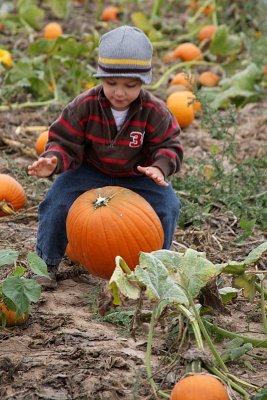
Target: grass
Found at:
208, 186
241, 191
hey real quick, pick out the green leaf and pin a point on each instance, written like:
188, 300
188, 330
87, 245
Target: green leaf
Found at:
60, 8
191, 270
8, 257
247, 283
30, 13
233, 267
262, 395
41, 46
19, 271
159, 284
239, 267
243, 80
22, 292
232, 344
254, 256
234, 353
141, 21
228, 294
119, 283
36, 264
224, 44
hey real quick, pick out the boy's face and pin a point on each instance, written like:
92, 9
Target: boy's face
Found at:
121, 92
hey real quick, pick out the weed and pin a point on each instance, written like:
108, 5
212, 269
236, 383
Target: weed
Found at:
208, 185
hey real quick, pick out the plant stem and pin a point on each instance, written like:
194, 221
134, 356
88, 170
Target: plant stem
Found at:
148, 358
234, 385
232, 335
178, 66
264, 318
258, 288
27, 104
124, 266
213, 350
157, 4
194, 324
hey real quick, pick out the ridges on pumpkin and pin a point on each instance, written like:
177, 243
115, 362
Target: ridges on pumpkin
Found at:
12, 195
124, 227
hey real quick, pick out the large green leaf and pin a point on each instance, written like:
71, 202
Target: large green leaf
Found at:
191, 269
30, 12
158, 282
60, 8
21, 292
8, 257
36, 264
224, 44
240, 88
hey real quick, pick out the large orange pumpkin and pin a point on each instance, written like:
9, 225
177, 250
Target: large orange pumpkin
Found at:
200, 387
10, 316
12, 195
111, 221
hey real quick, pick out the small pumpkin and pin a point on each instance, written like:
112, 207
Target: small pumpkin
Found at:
41, 141
180, 104
209, 79
12, 195
188, 51
111, 221
10, 316
200, 386
207, 32
110, 13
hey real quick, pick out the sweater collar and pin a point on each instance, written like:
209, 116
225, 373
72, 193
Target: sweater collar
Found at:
136, 105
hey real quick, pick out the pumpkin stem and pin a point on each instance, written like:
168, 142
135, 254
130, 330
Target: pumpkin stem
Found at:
101, 201
6, 208
194, 367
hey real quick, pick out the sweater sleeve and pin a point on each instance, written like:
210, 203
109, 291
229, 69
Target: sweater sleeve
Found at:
66, 140
164, 146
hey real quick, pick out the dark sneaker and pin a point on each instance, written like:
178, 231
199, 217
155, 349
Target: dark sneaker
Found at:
48, 283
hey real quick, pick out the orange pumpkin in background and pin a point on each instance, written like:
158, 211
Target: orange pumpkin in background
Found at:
110, 13
111, 221
52, 31
188, 51
207, 32
200, 387
10, 317
209, 79
41, 142
12, 195
180, 104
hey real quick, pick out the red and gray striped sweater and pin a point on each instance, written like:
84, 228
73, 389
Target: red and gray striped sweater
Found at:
86, 132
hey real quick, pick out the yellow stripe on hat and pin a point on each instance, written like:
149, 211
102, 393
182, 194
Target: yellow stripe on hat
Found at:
123, 61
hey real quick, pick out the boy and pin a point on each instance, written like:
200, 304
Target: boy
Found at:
115, 134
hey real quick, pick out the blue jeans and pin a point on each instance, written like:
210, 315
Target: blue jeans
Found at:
53, 210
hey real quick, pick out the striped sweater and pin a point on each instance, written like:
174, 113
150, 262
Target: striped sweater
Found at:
86, 132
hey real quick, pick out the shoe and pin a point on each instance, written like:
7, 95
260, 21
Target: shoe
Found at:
48, 283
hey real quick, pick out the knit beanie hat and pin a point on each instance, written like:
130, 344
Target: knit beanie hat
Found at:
125, 52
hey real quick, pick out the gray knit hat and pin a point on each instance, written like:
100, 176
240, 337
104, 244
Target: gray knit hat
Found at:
125, 52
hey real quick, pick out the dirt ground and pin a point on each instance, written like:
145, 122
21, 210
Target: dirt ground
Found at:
65, 350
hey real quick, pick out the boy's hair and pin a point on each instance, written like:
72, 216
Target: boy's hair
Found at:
125, 52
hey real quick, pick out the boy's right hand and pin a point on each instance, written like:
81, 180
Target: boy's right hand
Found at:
43, 167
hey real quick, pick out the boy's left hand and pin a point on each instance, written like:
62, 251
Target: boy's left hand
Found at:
153, 173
